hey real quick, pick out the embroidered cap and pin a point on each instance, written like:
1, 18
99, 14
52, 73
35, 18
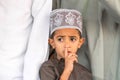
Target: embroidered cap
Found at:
65, 18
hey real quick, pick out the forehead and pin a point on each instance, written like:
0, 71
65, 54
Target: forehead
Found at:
67, 32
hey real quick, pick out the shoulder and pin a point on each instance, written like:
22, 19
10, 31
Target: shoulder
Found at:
46, 68
47, 64
47, 71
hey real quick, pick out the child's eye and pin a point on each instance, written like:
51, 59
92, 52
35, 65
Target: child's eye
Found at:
60, 39
73, 39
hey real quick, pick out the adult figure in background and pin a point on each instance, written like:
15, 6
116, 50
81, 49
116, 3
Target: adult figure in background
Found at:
110, 22
102, 20
24, 28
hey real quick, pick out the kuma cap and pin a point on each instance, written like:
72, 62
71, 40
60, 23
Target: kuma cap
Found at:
65, 18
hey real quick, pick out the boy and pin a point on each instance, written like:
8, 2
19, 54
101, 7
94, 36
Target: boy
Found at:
65, 39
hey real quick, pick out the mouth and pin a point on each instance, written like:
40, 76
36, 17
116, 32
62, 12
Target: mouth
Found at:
69, 52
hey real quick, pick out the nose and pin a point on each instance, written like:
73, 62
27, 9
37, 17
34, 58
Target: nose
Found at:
67, 44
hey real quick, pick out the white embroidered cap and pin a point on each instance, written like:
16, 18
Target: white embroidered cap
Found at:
65, 18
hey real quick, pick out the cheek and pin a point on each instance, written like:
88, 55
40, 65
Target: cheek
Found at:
75, 47
60, 52
79, 45
58, 47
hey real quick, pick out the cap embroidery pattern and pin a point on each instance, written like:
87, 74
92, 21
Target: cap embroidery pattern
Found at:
70, 18
65, 18
58, 20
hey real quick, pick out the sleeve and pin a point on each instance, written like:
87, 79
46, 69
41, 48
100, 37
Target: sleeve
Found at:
36, 52
47, 73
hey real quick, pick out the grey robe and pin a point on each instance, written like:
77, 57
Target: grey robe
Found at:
53, 68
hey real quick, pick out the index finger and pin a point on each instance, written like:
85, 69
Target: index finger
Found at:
66, 52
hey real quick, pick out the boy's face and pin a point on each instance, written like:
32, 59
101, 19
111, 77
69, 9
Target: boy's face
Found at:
66, 39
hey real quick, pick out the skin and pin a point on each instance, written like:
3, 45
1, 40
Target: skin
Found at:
66, 43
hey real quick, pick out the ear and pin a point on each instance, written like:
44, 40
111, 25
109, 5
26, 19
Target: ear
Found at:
51, 42
82, 40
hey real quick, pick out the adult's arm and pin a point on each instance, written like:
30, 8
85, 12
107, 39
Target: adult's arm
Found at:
38, 41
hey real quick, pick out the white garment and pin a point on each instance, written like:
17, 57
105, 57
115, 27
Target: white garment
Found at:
23, 32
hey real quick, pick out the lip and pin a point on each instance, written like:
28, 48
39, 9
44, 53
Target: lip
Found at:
69, 52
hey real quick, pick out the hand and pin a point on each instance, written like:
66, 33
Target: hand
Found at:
70, 58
